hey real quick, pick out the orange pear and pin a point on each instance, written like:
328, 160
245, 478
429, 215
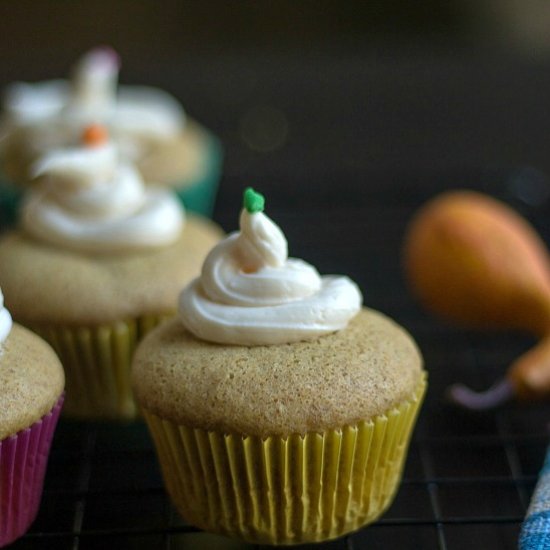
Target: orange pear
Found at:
474, 261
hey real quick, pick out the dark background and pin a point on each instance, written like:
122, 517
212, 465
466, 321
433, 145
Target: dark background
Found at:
426, 83
348, 116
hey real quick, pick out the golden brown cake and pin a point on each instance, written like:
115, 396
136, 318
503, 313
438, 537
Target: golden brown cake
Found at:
340, 379
45, 284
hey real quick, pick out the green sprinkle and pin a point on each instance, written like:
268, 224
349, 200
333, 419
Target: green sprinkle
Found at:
252, 201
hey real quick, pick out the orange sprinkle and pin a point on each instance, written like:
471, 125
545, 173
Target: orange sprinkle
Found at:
95, 135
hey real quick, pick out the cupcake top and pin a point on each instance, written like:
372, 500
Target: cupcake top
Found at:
88, 199
340, 379
266, 346
251, 293
31, 376
136, 116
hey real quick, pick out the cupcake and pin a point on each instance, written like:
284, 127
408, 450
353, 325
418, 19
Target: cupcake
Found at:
31, 395
98, 260
281, 409
149, 126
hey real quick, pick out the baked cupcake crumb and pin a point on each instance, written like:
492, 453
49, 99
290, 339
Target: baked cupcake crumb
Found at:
335, 380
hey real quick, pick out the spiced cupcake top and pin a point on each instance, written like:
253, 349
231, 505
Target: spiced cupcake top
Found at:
31, 376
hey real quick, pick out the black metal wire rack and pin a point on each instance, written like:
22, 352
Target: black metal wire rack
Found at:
468, 477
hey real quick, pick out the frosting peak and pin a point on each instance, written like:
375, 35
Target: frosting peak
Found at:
89, 200
260, 242
95, 81
251, 293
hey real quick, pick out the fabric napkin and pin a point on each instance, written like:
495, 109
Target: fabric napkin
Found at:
535, 532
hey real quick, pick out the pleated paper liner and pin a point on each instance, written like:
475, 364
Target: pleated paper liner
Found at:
289, 490
23, 461
97, 365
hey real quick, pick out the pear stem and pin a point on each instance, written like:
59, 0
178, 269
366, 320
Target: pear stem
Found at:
498, 394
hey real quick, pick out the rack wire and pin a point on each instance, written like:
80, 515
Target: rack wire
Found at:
468, 477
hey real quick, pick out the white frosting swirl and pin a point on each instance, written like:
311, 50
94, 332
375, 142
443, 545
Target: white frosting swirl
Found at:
87, 200
250, 293
136, 116
33, 103
5, 320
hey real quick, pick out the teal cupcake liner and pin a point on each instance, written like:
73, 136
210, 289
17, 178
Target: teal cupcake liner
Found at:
200, 195
10, 199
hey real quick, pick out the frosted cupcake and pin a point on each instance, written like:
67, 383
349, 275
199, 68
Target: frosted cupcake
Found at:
98, 261
149, 126
31, 396
281, 409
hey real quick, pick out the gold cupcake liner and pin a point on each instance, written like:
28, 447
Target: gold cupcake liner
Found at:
97, 363
285, 490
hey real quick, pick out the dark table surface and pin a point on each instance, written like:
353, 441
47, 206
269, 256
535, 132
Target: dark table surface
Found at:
346, 144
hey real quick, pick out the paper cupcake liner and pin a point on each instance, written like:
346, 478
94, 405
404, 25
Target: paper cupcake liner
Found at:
199, 195
97, 363
23, 461
289, 490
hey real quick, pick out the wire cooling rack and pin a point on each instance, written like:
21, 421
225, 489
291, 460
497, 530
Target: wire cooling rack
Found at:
468, 477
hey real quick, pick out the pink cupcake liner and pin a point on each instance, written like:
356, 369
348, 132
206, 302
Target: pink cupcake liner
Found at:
23, 461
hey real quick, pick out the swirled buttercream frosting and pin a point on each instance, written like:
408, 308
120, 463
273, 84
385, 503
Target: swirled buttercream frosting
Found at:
134, 115
87, 199
251, 293
5, 320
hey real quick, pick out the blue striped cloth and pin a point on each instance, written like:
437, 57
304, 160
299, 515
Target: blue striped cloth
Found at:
535, 532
